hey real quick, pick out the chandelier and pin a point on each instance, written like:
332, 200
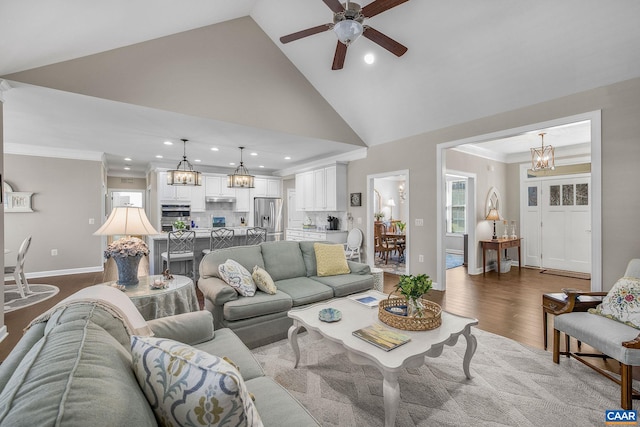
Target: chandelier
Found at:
543, 157
184, 173
241, 178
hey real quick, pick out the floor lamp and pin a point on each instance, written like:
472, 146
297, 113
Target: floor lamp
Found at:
391, 204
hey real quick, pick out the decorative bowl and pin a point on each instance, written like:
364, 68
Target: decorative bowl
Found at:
329, 315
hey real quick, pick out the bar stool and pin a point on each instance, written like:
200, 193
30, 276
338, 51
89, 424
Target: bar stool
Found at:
255, 236
180, 248
220, 238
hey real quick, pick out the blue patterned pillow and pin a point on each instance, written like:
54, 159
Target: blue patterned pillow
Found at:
238, 277
622, 302
186, 386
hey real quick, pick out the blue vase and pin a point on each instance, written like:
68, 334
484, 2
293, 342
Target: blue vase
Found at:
128, 270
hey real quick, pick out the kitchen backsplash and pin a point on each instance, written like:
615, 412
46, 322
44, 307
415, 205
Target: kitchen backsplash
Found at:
204, 219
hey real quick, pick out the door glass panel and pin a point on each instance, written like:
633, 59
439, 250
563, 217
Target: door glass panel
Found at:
533, 196
554, 195
582, 194
567, 195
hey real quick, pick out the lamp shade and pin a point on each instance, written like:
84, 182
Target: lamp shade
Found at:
125, 220
391, 202
493, 215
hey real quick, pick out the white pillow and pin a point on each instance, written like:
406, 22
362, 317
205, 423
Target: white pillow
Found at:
238, 277
622, 302
186, 386
263, 280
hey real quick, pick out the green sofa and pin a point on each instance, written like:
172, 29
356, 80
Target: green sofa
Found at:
76, 370
262, 318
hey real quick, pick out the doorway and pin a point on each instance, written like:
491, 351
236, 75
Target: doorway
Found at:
594, 122
388, 203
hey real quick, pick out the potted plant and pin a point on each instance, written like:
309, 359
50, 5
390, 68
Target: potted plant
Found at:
179, 225
127, 252
401, 226
379, 216
412, 288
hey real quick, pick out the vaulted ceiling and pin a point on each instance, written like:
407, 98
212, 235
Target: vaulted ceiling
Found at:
465, 60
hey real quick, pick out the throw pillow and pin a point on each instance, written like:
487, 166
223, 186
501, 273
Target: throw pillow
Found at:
622, 302
263, 280
238, 277
186, 386
330, 259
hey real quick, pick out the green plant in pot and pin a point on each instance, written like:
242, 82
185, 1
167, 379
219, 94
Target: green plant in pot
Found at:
401, 226
412, 288
179, 225
378, 216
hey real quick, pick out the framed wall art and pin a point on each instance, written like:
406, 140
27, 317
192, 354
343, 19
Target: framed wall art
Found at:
356, 199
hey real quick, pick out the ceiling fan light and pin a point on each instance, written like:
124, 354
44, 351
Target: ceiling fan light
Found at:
348, 31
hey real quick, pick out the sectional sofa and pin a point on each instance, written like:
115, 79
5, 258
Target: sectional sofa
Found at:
75, 367
262, 318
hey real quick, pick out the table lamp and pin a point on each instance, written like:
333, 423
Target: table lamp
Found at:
126, 251
494, 216
391, 204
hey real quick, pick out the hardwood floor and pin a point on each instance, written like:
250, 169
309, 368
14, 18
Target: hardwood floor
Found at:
509, 305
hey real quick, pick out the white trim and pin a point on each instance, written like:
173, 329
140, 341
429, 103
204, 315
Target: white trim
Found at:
52, 273
60, 153
359, 154
5, 86
595, 118
3, 332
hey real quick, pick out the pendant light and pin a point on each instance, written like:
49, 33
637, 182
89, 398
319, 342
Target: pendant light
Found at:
241, 177
184, 173
543, 157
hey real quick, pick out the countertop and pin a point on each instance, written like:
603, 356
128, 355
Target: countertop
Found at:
315, 230
203, 232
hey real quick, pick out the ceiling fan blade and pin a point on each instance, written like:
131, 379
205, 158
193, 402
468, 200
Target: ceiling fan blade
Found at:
379, 6
305, 33
386, 42
334, 5
338, 59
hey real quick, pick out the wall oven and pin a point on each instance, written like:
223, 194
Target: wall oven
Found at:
172, 213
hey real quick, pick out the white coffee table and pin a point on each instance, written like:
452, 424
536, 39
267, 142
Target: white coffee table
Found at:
390, 363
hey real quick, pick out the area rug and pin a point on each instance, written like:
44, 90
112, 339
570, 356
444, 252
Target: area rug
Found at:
564, 273
39, 293
512, 385
454, 260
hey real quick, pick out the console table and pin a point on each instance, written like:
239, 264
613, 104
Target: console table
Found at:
498, 245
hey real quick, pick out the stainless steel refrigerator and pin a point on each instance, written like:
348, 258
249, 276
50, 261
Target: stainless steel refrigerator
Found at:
267, 213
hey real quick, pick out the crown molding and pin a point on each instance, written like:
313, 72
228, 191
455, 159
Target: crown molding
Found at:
360, 153
60, 153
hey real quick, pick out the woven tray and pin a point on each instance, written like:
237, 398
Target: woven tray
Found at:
431, 320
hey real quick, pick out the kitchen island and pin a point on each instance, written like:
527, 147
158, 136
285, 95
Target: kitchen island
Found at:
158, 244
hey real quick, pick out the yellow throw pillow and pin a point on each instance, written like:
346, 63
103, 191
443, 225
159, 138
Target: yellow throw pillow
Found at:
330, 259
263, 280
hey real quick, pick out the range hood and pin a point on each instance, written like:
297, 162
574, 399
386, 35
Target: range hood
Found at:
220, 199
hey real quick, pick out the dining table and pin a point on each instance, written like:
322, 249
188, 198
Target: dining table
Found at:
399, 240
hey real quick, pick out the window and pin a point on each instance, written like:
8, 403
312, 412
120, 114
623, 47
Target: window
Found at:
457, 206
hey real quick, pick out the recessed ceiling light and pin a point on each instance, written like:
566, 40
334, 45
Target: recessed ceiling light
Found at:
197, 160
214, 149
254, 154
168, 143
287, 158
369, 58
127, 159
232, 164
261, 166
127, 168
158, 156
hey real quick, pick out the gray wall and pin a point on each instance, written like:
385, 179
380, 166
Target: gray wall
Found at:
66, 194
620, 107
119, 183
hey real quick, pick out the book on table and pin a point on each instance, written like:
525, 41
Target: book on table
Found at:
382, 337
368, 300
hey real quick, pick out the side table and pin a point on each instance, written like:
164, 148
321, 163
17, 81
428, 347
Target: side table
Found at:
555, 301
378, 279
499, 245
178, 297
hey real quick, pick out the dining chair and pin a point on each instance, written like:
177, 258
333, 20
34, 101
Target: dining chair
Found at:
180, 248
18, 269
383, 245
354, 242
220, 238
255, 236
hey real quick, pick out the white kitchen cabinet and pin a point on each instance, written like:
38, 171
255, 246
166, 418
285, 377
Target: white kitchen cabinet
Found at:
243, 200
323, 189
172, 193
267, 187
297, 235
216, 185
304, 191
198, 203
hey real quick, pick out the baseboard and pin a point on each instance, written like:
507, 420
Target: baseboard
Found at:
51, 273
3, 333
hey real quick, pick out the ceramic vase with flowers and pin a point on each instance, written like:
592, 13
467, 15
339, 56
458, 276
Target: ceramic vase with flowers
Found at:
412, 288
127, 252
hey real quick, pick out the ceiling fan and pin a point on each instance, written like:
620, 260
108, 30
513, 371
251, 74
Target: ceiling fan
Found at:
347, 24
